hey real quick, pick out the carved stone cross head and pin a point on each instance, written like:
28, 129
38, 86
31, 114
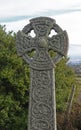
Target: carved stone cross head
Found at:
42, 43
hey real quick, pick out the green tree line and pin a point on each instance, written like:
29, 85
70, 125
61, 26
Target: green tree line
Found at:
15, 80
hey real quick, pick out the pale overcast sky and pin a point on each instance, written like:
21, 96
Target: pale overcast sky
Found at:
26, 7
15, 14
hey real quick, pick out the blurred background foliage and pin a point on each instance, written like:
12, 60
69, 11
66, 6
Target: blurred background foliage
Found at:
15, 80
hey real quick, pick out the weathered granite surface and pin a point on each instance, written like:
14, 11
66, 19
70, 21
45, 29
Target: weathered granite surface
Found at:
42, 104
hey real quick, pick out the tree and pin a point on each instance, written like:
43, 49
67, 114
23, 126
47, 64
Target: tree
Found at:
65, 78
14, 85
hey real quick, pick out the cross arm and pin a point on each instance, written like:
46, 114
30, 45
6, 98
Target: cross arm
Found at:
59, 43
24, 43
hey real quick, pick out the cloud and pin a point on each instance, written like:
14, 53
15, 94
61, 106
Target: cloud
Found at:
15, 14
28, 7
69, 21
16, 26
44, 13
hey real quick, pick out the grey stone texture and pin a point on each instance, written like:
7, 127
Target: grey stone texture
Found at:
42, 102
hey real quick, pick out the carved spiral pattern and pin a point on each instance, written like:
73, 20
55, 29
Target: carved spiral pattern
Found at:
41, 112
40, 94
41, 125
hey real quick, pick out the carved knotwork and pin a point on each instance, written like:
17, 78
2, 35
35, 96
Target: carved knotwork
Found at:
41, 110
42, 43
42, 106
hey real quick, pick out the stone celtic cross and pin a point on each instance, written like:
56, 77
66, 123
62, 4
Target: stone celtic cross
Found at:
42, 104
